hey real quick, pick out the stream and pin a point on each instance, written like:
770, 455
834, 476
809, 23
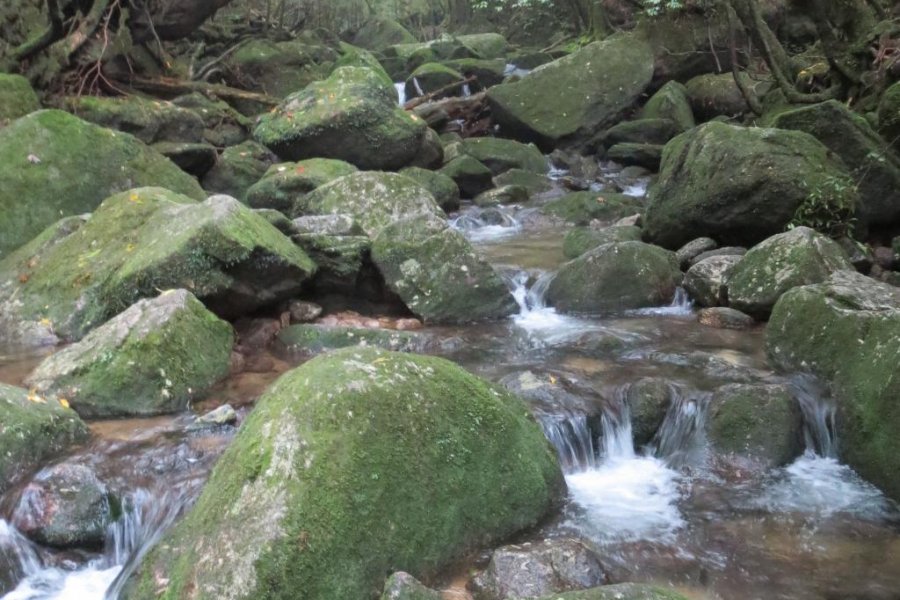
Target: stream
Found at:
665, 512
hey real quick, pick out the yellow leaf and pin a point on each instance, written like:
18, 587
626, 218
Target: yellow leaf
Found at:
46, 322
64, 403
33, 397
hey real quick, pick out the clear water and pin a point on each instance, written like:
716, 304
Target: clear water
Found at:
401, 92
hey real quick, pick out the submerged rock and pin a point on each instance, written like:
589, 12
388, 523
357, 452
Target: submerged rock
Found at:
722, 317
313, 338
337, 472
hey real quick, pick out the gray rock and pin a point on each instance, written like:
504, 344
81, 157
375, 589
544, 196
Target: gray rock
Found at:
223, 415
403, 586
649, 400
304, 312
687, 253
722, 317
705, 281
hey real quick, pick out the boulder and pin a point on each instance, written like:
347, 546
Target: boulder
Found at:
534, 183
582, 239
485, 45
53, 164
379, 33
150, 121
759, 423
508, 194
641, 155
153, 358
692, 43
717, 95
648, 400
736, 185
643, 131
670, 102
314, 339
277, 68
619, 276
285, 185
336, 474
223, 126
238, 168
874, 168
846, 330
581, 208
722, 317
470, 175
500, 155
690, 251
172, 20
194, 158
351, 116
403, 586
784, 261
487, 73
33, 429
889, 116
17, 97
137, 243
431, 77
442, 187
602, 81
705, 281
351, 56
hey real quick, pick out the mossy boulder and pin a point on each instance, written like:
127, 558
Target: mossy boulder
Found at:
53, 164
736, 185
352, 56
705, 281
602, 81
507, 194
889, 116
33, 429
717, 95
437, 273
485, 45
847, 331
759, 423
441, 186
618, 276
648, 400
314, 339
139, 242
531, 181
671, 102
874, 167
223, 125
150, 121
285, 185
277, 68
581, 208
642, 131
487, 73
470, 175
17, 98
351, 116
336, 474
379, 33
431, 77
582, 239
690, 44
238, 168
784, 261
153, 358
631, 154
500, 155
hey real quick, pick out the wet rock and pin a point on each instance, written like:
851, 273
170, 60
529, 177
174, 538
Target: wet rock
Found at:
534, 183
846, 330
331, 225
304, 312
671, 102
256, 333
705, 282
534, 570
441, 186
403, 586
337, 472
351, 116
285, 185
469, 174
551, 393
695, 197
717, 94
722, 317
17, 98
153, 358
508, 194
581, 208
218, 417
603, 80
313, 338
33, 429
238, 168
150, 121
139, 242
431, 77
618, 276
500, 155
784, 261
758, 423
64, 506
642, 155
687, 253
649, 400
583, 239
56, 165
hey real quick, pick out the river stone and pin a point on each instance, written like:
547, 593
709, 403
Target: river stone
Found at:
470, 175
581, 208
784, 261
648, 400
438, 274
500, 155
507, 194
551, 393
705, 282
533, 570
336, 474
153, 358
403, 586
311, 338
874, 168
760, 423
64, 506
619, 276
846, 330
601, 81
137, 243
695, 197
582, 239
621, 591
716, 94
722, 317
53, 165
726, 251
441, 186
687, 253
351, 116
285, 185
534, 183
17, 97
670, 102
33, 429
150, 121
238, 168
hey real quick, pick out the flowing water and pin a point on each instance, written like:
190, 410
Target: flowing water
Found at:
665, 512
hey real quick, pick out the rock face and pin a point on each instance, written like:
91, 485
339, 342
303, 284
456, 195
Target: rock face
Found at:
847, 331
55, 165
784, 261
17, 98
285, 185
137, 243
534, 570
736, 185
32, 430
618, 276
335, 476
602, 81
351, 116
153, 358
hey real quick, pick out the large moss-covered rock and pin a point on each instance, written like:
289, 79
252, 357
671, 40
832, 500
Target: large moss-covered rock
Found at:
602, 81
471, 176
437, 273
431, 77
784, 261
223, 125
150, 121
441, 186
238, 168
486, 45
847, 331
647, 156
352, 56
17, 98
736, 185
643, 131
33, 429
889, 116
155, 357
379, 33
139, 242
874, 168
335, 477
351, 116
500, 155
716, 94
53, 164
617, 276
277, 68
671, 102
285, 185
582, 239
581, 208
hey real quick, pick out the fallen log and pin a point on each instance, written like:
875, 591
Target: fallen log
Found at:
438, 92
168, 88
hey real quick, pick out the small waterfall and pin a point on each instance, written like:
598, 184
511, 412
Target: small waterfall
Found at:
18, 556
466, 90
480, 224
572, 437
679, 438
681, 305
618, 437
819, 430
401, 92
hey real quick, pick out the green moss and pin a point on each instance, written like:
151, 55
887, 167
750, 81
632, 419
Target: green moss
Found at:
238, 168
17, 98
471, 176
319, 338
278, 68
533, 182
285, 185
486, 45
431, 77
583, 239
353, 56
335, 476
671, 102
581, 208
441, 186
150, 121
501, 155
